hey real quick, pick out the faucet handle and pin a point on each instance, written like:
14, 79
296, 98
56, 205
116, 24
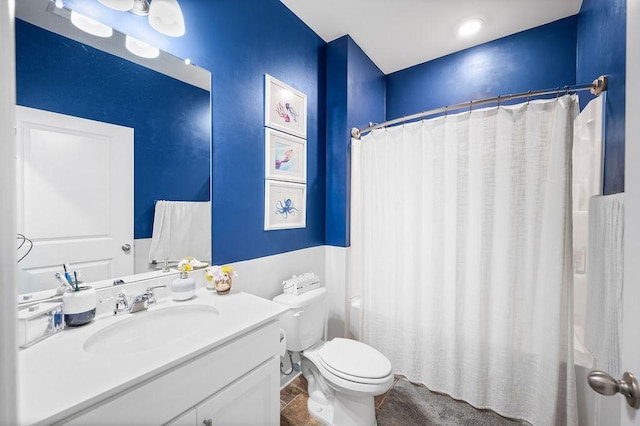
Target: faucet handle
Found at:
121, 295
150, 294
122, 304
150, 289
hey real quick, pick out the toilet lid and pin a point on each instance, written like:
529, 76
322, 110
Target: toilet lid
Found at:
353, 358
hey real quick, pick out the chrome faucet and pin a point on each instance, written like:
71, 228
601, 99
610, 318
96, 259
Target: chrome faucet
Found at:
140, 303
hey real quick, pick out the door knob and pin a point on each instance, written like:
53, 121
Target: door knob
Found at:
604, 384
126, 248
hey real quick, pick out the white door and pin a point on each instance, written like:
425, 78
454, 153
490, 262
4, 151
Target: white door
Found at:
75, 197
630, 350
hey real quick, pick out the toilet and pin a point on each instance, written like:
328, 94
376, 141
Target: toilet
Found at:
344, 375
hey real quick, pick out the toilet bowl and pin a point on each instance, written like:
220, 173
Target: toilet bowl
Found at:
343, 375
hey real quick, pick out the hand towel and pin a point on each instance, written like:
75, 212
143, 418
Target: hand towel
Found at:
605, 273
180, 229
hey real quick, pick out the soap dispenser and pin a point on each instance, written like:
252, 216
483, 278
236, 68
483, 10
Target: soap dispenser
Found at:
183, 288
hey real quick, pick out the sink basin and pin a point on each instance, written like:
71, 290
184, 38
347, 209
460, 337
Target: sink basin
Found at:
143, 331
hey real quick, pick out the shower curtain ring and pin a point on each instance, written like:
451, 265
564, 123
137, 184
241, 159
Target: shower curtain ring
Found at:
498, 101
470, 105
528, 97
446, 110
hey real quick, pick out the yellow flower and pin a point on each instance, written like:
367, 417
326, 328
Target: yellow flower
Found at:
227, 269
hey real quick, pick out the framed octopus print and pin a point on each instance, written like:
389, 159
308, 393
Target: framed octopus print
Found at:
285, 205
285, 108
286, 156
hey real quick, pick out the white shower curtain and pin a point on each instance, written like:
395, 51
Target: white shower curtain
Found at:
461, 251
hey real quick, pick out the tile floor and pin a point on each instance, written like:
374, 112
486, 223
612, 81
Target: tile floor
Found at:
405, 404
293, 404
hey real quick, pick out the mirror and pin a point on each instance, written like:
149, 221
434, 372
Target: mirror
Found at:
164, 100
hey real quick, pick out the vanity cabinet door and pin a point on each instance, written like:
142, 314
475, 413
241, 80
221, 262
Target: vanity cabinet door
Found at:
251, 400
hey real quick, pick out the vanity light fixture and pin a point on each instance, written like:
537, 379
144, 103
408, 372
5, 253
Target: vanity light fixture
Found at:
140, 48
90, 26
165, 16
470, 27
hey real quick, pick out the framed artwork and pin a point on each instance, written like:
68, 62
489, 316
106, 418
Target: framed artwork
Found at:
285, 205
286, 156
285, 108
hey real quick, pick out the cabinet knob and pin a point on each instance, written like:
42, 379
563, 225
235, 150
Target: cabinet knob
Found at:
207, 422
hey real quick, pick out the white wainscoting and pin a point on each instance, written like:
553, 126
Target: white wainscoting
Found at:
336, 272
141, 247
263, 276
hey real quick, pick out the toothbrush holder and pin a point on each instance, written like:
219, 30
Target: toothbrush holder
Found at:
79, 306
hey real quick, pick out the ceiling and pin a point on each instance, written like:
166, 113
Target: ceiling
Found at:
397, 34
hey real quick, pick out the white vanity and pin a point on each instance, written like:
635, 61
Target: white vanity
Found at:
210, 360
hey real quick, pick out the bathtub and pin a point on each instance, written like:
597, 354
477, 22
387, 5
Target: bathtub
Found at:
589, 402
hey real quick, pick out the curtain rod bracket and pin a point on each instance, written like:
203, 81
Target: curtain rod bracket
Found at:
599, 85
355, 133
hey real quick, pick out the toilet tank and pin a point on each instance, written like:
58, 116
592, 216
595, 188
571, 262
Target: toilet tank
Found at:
304, 321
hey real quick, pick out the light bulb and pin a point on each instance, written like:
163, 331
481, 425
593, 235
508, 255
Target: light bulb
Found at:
90, 26
140, 48
165, 16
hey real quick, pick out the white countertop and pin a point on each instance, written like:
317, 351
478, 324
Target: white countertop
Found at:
58, 378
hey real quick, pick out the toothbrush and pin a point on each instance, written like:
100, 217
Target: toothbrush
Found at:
63, 281
67, 275
75, 275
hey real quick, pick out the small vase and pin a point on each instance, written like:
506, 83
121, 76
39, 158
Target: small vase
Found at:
223, 285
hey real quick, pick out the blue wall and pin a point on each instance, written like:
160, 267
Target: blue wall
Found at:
539, 58
170, 118
240, 41
356, 91
602, 50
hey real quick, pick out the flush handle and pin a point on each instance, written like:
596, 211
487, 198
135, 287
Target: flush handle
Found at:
604, 384
207, 422
126, 248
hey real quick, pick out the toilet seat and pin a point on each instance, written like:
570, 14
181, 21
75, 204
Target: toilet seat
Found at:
354, 361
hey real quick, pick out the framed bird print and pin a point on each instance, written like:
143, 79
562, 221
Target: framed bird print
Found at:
285, 108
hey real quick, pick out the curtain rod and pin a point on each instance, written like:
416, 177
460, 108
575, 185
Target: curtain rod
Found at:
598, 86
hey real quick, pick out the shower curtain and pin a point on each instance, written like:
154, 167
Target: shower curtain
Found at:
461, 252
